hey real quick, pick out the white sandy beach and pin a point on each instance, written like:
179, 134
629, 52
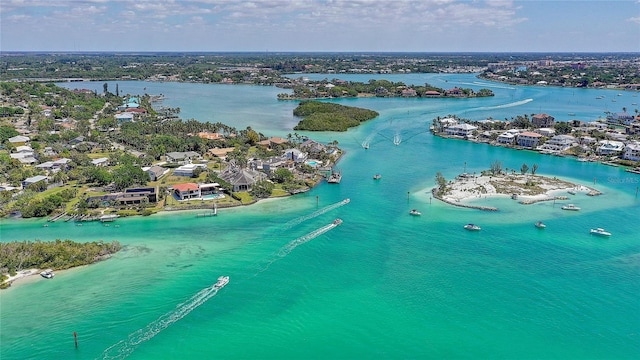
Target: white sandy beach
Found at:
527, 188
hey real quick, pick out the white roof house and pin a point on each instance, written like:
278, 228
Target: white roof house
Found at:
632, 151
461, 129
18, 139
609, 147
506, 138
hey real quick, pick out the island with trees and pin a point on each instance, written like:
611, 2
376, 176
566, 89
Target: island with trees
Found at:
322, 116
522, 184
24, 258
337, 88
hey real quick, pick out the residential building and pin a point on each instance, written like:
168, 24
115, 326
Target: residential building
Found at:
609, 147
543, 120
547, 132
240, 179
186, 191
155, 172
558, 143
183, 157
295, 155
528, 139
103, 161
506, 138
18, 140
188, 169
632, 151
34, 179
464, 130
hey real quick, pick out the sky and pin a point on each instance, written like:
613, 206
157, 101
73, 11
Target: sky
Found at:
320, 25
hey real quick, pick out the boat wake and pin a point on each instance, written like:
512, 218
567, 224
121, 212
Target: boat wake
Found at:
314, 214
285, 250
124, 348
503, 106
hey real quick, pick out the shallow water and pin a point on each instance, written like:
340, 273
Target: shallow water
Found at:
383, 284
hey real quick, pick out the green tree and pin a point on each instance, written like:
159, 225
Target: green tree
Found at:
524, 168
282, 175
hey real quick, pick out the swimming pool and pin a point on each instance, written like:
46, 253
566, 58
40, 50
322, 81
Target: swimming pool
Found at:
213, 196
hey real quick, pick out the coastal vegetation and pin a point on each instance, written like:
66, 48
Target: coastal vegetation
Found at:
58, 255
336, 88
322, 116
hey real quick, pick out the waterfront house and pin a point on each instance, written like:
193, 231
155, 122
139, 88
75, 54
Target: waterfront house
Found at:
208, 189
506, 138
183, 157
186, 191
558, 143
464, 130
409, 93
632, 151
432, 94
621, 118
609, 147
528, 139
136, 196
542, 120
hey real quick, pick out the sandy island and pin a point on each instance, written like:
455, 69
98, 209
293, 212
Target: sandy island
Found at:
528, 189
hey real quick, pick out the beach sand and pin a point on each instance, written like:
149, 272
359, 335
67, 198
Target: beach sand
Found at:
527, 188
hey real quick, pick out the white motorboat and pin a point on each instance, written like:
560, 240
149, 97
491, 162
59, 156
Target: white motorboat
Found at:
540, 225
570, 207
472, 227
377, 177
222, 281
337, 222
415, 212
48, 274
600, 232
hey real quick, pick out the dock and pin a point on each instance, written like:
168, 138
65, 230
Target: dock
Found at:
108, 218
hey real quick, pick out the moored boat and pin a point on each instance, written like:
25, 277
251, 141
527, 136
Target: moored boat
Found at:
48, 274
540, 225
377, 177
599, 232
415, 212
222, 281
570, 207
472, 227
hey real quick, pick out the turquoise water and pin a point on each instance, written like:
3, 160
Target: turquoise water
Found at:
383, 284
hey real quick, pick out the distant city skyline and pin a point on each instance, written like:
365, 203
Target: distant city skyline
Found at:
320, 26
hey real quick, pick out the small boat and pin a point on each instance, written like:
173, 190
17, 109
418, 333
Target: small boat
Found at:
570, 207
472, 227
599, 232
415, 212
337, 222
540, 225
222, 281
572, 114
335, 177
572, 192
377, 177
47, 274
